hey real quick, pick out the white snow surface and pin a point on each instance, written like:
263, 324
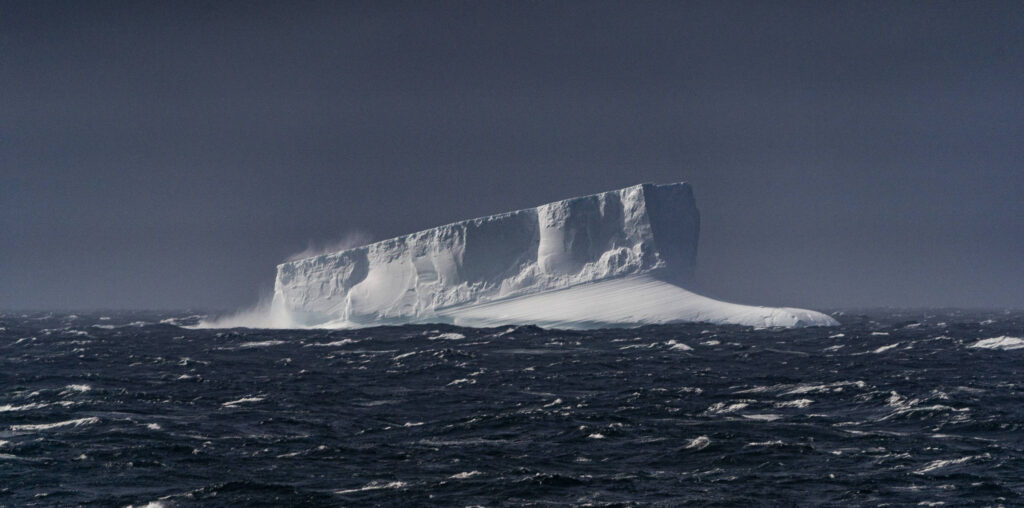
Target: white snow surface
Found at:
618, 258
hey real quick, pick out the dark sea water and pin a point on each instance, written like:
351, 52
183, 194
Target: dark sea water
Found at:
897, 409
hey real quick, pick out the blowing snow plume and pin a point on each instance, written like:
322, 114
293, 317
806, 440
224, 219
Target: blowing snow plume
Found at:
349, 241
265, 314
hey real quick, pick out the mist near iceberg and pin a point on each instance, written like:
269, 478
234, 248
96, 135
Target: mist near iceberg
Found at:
349, 240
263, 313
619, 258
260, 315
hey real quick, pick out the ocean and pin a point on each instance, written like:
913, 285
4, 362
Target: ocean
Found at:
893, 408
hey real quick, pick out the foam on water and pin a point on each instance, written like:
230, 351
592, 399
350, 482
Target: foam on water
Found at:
56, 425
374, 486
243, 400
939, 464
261, 343
448, 336
1003, 342
336, 343
23, 407
698, 443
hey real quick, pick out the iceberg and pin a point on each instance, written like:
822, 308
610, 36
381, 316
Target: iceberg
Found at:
620, 258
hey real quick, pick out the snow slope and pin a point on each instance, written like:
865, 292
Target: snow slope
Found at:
622, 257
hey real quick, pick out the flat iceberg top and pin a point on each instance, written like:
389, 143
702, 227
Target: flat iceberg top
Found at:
621, 257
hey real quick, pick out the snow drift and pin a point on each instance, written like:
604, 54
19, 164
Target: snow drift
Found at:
617, 258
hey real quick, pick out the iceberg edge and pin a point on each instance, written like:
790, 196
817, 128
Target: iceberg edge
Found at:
617, 258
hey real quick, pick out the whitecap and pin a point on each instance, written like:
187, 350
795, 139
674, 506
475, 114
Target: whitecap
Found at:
374, 486
901, 405
939, 464
698, 443
77, 388
262, 343
448, 336
1005, 343
461, 381
336, 343
596, 435
799, 403
151, 504
243, 400
26, 407
506, 332
678, 346
885, 348
777, 442
833, 387
301, 452
763, 417
465, 475
721, 407
67, 423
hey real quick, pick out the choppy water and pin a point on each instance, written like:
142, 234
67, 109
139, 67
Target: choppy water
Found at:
898, 409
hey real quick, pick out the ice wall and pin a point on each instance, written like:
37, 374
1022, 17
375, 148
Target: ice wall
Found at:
440, 274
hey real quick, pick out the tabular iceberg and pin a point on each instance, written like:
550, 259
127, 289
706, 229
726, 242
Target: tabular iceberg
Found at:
618, 258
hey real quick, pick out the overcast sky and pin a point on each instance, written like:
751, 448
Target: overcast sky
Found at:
843, 154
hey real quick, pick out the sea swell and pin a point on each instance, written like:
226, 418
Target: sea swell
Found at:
900, 408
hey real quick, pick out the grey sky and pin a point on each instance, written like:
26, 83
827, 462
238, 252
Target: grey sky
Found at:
170, 154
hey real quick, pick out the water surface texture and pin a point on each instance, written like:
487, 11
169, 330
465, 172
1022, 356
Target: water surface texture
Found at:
128, 409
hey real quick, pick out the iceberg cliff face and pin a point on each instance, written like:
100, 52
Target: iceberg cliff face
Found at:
622, 257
